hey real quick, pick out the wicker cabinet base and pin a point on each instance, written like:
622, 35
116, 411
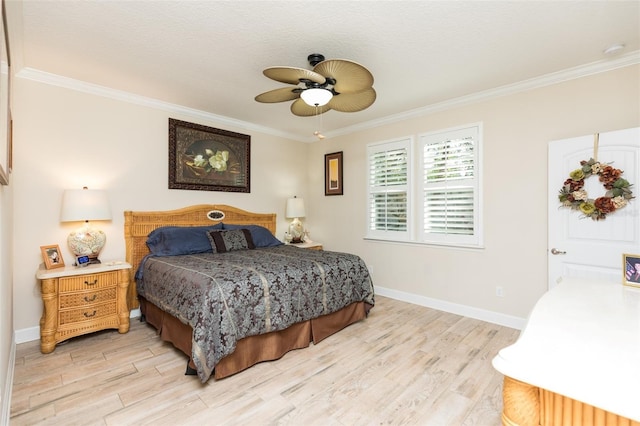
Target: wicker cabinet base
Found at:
77, 303
528, 405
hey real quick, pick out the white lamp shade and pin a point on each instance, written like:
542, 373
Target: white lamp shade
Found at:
295, 208
84, 204
316, 97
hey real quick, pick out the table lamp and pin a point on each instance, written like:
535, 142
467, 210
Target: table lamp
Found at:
295, 210
85, 205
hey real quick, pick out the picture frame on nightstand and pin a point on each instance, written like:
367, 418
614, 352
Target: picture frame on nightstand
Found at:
52, 256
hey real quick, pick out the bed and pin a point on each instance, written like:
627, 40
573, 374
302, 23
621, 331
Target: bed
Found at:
263, 298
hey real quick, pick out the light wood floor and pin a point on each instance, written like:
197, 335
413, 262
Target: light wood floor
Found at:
405, 364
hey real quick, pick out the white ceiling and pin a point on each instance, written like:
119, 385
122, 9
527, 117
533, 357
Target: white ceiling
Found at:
209, 55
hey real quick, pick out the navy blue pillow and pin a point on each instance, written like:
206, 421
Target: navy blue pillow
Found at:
175, 240
262, 237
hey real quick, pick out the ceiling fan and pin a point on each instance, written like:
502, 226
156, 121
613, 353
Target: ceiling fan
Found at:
337, 84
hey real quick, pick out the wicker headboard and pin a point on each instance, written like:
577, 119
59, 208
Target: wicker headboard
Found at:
137, 225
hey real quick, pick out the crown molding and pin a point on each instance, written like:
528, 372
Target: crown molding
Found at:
119, 95
632, 58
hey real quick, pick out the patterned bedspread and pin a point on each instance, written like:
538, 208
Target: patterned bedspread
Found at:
225, 297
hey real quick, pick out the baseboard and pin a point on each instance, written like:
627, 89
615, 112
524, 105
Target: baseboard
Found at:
27, 335
454, 308
33, 333
8, 385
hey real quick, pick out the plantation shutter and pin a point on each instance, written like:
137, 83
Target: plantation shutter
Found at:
389, 189
450, 186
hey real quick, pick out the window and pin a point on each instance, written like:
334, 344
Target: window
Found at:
389, 189
448, 189
449, 186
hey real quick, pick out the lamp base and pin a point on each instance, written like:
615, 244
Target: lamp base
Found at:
296, 231
87, 241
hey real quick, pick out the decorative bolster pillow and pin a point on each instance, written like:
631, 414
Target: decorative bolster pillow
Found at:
231, 240
262, 237
176, 240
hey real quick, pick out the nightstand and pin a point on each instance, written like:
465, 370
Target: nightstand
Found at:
81, 300
311, 245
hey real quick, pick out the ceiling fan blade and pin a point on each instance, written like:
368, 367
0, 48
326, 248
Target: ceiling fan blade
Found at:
292, 75
350, 77
278, 95
301, 109
352, 102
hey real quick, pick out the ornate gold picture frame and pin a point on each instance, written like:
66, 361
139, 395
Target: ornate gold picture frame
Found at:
208, 159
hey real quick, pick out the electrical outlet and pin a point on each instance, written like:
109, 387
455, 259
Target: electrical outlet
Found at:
499, 291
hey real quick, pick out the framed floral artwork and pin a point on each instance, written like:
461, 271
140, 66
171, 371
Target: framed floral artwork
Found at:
52, 256
208, 159
631, 269
333, 174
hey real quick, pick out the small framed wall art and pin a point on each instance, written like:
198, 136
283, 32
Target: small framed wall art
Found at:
631, 269
333, 174
52, 256
208, 159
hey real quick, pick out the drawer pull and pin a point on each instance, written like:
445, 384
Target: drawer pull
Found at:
93, 283
90, 315
86, 299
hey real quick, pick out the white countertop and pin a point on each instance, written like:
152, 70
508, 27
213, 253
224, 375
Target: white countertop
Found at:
307, 244
70, 270
582, 340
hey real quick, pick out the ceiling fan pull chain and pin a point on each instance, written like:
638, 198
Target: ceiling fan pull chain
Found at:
318, 133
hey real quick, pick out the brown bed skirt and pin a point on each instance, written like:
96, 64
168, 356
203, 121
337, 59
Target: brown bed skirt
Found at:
255, 349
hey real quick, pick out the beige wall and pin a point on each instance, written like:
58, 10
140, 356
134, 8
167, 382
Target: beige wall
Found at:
6, 295
517, 129
67, 139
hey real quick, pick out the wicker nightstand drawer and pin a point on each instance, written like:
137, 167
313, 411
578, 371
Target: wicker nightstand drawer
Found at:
82, 300
89, 281
71, 300
87, 313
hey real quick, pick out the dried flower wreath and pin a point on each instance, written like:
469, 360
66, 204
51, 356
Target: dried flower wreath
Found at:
617, 196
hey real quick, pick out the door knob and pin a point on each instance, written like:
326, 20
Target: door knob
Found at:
556, 251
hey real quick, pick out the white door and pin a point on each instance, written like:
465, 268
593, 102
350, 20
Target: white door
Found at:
578, 245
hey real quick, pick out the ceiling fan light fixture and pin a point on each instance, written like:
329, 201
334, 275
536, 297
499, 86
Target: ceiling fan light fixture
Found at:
316, 91
316, 96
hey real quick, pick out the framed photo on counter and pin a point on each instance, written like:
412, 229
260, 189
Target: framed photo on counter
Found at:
631, 269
